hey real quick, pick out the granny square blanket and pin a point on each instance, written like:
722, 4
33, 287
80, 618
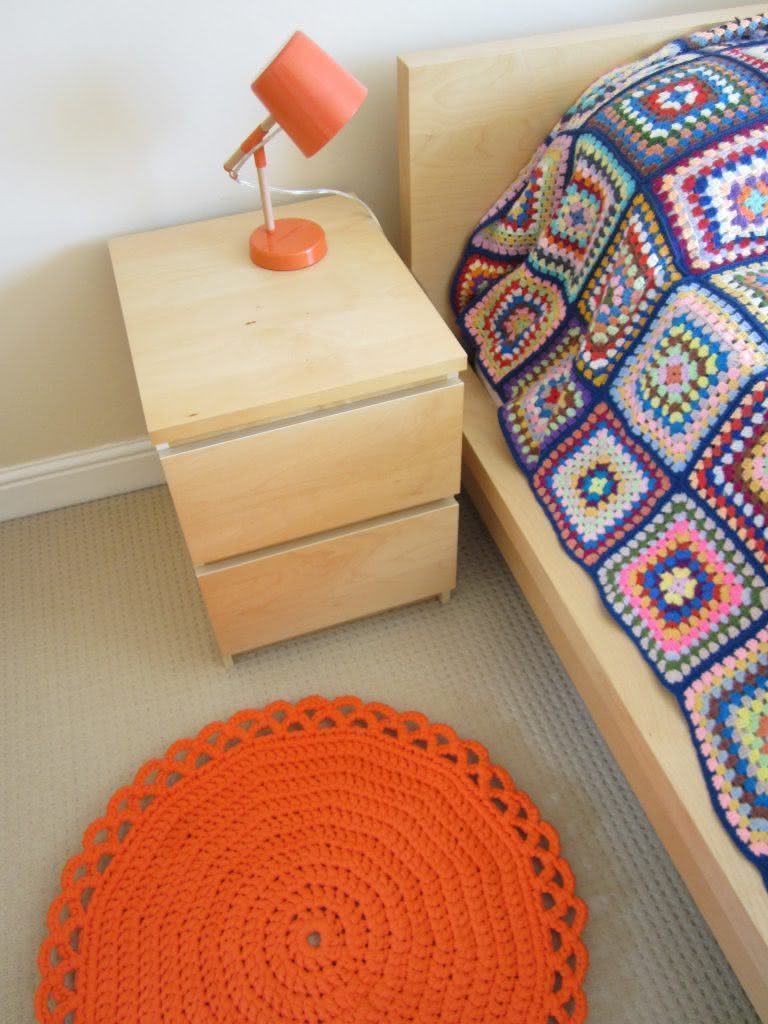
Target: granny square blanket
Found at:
616, 299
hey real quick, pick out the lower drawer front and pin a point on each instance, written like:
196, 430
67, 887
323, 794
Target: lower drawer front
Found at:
345, 575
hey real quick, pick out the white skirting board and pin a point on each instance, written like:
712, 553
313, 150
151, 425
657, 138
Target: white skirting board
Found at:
78, 476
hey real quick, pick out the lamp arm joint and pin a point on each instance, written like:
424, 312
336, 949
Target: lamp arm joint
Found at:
254, 143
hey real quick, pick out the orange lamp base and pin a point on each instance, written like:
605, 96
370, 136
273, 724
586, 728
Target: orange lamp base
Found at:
294, 244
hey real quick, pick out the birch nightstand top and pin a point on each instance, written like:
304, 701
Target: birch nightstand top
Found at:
219, 344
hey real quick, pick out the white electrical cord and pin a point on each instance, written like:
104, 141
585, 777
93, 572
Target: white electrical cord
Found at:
306, 191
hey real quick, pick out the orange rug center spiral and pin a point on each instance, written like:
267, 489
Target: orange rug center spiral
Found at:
319, 863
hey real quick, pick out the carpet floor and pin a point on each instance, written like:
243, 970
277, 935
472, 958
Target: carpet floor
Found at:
108, 658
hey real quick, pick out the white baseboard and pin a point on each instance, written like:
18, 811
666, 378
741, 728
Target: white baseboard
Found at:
78, 476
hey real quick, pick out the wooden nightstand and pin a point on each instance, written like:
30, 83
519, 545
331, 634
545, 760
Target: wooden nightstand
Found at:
308, 423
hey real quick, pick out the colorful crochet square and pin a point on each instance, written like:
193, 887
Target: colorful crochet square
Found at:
728, 711
717, 201
545, 400
514, 231
513, 319
595, 197
669, 114
732, 474
475, 276
683, 588
748, 285
614, 81
634, 272
679, 380
597, 485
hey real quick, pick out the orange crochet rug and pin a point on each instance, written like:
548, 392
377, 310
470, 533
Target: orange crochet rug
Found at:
319, 863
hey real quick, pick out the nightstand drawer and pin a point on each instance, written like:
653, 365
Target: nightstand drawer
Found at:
318, 473
343, 575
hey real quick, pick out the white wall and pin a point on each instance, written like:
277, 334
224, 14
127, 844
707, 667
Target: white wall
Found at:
116, 117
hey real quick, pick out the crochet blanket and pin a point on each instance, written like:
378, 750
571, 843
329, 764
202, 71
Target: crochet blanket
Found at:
616, 299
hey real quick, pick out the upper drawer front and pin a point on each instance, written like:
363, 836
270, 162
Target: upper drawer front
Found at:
291, 481
344, 574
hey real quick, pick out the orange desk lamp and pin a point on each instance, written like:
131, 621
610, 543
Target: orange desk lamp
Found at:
311, 98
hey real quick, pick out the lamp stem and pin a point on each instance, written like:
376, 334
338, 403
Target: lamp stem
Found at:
266, 199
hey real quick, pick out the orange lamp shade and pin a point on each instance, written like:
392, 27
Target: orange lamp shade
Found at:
309, 95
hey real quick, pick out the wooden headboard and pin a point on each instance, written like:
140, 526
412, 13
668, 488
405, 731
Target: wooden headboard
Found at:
470, 118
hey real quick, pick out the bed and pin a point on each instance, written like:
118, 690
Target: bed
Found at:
469, 119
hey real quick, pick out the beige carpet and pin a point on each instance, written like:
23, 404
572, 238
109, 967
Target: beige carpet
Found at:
107, 658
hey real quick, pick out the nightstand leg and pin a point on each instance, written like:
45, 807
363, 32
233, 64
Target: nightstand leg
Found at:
444, 597
227, 659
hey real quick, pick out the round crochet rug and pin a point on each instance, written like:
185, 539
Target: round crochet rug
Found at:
327, 862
